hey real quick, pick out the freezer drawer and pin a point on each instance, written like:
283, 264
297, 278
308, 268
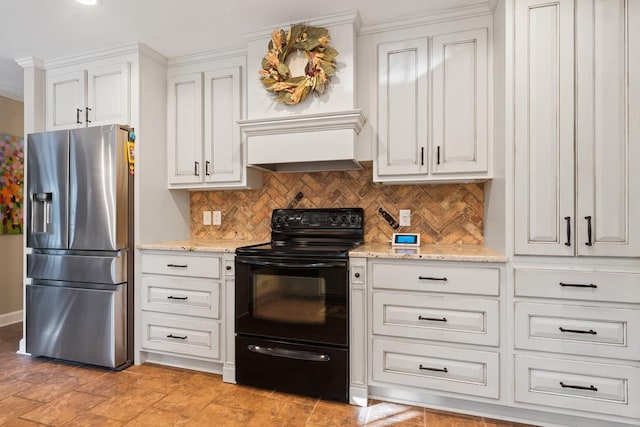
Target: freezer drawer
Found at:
109, 267
77, 324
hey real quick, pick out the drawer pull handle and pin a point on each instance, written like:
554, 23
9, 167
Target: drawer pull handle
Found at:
178, 298
433, 319
578, 387
578, 331
578, 285
441, 279
178, 265
424, 368
178, 337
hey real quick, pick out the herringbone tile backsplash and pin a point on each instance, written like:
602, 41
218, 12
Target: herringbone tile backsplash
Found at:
442, 213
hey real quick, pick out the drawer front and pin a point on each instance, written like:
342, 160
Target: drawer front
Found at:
421, 276
589, 331
181, 335
440, 368
578, 285
178, 264
464, 320
593, 387
192, 297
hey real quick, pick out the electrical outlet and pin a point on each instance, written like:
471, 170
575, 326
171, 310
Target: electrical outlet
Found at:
217, 217
206, 218
405, 217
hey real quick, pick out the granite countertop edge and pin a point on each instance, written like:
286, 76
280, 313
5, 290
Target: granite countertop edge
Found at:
434, 252
198, 245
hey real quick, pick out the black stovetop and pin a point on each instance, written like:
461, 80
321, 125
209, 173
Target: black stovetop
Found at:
304, 233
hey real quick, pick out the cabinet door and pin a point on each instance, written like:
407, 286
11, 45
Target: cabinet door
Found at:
185, 129
222, 147
544, 158
65, 101
108, 97
402, 107
608, 128
460, 102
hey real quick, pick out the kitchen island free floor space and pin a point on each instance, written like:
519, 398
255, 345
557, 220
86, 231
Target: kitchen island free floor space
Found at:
44, 392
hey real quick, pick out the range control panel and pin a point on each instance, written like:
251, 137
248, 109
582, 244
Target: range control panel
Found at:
317, 218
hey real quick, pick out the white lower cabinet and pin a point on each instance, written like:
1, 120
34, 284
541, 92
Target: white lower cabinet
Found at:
434, 317
593, 387
437, 368
575, 329
181, 316
180, 334
577, 345
435, 327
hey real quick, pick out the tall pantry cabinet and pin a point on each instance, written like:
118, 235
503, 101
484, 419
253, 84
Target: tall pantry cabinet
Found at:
576, 310
577, 128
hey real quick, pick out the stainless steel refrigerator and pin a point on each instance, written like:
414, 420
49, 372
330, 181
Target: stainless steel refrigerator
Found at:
79, 292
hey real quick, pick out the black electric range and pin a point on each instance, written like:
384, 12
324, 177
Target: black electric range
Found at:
292, 316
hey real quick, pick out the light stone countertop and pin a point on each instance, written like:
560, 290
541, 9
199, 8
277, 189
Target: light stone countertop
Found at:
472, 253
199, 245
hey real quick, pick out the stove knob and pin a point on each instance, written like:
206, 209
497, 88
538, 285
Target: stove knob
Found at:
334, 218
353, 219
286, 219
344, 219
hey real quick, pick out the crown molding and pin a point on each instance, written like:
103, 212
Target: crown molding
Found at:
30, 61
430, 18
340, 18
200, 57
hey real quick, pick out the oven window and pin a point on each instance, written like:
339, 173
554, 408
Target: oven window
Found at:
289, 299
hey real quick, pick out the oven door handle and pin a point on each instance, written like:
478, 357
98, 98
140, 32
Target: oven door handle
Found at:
290, 354
292, 265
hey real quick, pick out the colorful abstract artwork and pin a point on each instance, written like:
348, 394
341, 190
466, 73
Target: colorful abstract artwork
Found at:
11, 183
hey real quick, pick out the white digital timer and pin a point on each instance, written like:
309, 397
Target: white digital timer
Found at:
406, 239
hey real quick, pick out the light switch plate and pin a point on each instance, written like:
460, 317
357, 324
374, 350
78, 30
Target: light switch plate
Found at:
405, 218
206, 218
217, 217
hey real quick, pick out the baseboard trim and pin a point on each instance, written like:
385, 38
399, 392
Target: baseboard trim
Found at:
10, 318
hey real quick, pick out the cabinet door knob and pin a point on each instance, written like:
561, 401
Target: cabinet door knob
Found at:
357, 275
228, 267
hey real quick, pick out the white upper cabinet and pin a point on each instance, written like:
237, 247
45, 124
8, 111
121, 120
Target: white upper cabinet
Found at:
460, 110
185, 129
433, 104
402, 107
222, 109
87, 97
204, 140
608, 128
596, 212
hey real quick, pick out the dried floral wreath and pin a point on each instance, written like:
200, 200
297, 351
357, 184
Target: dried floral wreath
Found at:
275, 74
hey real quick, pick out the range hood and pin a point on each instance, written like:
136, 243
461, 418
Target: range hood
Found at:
304, 143
321, 132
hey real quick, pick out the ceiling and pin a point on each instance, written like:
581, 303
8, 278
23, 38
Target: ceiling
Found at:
48, 29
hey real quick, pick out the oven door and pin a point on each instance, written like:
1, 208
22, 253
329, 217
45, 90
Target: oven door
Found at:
291, 299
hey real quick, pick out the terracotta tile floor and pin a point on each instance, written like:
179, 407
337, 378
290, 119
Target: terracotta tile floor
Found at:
41, 392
